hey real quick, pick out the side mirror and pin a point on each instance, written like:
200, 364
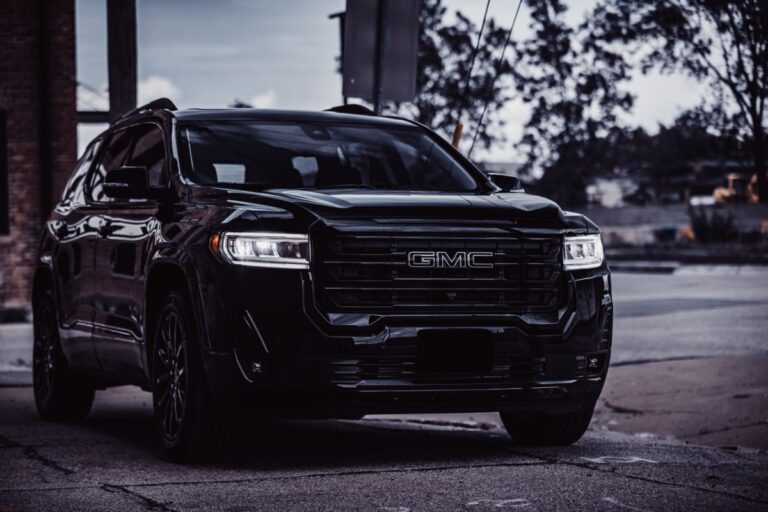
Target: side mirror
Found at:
128, 183
506, 182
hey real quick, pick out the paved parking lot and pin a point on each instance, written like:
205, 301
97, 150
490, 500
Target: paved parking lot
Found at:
111, 463
410, 463
698, 311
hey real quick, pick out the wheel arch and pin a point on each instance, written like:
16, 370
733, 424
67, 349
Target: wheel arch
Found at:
164, 277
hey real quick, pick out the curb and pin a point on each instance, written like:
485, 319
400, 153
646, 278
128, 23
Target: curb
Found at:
645, 267
696, 255
16, 379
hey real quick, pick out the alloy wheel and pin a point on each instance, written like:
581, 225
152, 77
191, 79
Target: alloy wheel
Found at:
44, 357
171, 378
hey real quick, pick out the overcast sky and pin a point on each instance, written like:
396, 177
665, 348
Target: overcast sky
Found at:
281, 54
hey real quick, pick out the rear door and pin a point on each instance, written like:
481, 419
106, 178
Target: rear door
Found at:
127, 234
75, 228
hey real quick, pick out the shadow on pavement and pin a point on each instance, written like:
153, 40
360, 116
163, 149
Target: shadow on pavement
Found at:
305, 444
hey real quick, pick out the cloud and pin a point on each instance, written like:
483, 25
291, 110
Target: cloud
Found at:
92, 98
266, 99
187, 51
155, 86
151, 88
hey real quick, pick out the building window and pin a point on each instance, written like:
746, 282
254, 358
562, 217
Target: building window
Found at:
5, 203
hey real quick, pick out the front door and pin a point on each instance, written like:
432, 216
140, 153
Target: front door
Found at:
127, 230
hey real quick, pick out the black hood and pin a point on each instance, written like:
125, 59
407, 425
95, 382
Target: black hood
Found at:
341, 204
429, 204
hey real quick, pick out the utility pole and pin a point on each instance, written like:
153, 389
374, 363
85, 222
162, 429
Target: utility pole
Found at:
341, 16
378, 70
121, 56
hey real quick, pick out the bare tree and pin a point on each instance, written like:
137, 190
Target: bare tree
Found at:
724, 41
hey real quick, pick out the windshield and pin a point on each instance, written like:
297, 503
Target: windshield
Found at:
318, 156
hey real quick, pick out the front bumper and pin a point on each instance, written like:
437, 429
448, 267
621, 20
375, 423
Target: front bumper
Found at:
268, 348
323, 399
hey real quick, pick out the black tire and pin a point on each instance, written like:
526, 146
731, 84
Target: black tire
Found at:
547, 429
60, 395
184, 411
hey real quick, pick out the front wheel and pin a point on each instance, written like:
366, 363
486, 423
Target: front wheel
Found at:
547, 429
184, 410
60, 395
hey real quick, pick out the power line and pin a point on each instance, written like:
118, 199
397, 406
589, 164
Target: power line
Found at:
493, 82
91, 88
88, 103
472, 63
457, 131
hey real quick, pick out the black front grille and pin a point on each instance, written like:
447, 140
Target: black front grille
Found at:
371, 273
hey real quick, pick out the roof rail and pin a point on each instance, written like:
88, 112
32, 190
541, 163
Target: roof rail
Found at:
160, 103
352, 108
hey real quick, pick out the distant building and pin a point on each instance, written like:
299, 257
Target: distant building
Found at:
38, 136
609, 191
696, 179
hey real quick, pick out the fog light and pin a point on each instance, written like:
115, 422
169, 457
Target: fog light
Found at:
596, 363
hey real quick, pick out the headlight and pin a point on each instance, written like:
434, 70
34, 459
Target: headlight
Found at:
583, 252
273, 250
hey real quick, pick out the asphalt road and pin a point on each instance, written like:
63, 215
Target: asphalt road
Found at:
112, 461
696, 312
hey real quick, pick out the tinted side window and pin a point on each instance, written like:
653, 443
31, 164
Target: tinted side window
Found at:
149, 151
112, 158
74, 193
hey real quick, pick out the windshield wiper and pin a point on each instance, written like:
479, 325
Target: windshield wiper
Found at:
256, 185
372, 186
347, 185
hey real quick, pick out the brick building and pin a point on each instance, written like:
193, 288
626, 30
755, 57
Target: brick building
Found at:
38, 131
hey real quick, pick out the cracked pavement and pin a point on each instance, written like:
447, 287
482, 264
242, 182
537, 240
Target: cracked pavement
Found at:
718, 401
112, 462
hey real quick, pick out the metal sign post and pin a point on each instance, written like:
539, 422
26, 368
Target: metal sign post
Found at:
121, 56
381, 40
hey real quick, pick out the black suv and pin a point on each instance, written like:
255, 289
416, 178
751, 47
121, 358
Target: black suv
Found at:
313, 264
